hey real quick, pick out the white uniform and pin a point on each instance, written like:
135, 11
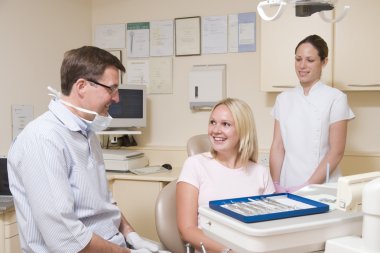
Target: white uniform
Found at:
304, 123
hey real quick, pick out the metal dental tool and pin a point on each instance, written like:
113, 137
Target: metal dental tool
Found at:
203, 248
187, 245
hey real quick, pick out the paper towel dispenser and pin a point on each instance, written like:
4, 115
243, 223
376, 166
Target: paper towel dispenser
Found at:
207, 85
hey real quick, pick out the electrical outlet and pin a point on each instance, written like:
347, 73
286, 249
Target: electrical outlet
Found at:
114, 138
264, 159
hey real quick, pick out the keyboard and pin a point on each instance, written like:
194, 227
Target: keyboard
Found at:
149, 170
121, 154
4, 199
5, 202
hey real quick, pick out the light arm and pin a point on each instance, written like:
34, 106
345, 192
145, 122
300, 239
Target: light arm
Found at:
187, 219
277, 153
337, 142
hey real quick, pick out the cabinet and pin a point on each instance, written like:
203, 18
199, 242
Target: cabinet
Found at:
9, 238
357, 51
136, 197
279, 39
353, 47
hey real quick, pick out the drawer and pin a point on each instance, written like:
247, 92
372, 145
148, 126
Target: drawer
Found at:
12, 245
10, 230
10, 217
10, 224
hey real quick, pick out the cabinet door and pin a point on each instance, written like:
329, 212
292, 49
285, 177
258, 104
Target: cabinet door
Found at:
9, 239
137, 200
279, 39
12, 245
357, 49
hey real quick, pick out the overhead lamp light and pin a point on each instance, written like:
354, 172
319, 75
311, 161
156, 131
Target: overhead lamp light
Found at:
303, 8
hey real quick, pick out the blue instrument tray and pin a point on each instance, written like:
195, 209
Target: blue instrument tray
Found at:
268, 207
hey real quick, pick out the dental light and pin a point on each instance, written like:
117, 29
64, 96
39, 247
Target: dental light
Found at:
303, 8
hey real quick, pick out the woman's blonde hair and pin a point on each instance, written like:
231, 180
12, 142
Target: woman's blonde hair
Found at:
245, 127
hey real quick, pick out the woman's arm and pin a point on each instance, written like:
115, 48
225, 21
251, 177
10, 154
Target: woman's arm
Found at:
337, 142
187, 219
277, 153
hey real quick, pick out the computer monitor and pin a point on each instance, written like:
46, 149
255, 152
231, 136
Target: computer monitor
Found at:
4, 184
131, 110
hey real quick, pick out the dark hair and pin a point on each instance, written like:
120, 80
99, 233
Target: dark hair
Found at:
318, 43
87, 62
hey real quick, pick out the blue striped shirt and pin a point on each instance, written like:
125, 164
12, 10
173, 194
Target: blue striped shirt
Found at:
58, 181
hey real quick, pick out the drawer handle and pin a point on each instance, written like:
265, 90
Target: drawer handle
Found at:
283, 86
364, 85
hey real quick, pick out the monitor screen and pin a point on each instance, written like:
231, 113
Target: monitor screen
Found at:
4, 185
131, 109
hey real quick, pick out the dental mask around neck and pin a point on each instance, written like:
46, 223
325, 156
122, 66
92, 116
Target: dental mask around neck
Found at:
99, 123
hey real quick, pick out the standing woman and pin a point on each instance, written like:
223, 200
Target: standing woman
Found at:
310, 124
230, 170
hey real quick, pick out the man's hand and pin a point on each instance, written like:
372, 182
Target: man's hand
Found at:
138, 243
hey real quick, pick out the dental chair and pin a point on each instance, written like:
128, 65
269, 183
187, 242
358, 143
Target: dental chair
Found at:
198, 144
166, 213
166, 219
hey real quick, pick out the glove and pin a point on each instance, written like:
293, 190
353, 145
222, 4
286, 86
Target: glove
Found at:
147, 251
296, 188
138, 243
140, 251
278, 188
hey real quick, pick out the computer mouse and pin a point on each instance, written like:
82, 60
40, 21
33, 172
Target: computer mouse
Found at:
167, 166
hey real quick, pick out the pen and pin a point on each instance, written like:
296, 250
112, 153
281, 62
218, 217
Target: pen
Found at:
327, 172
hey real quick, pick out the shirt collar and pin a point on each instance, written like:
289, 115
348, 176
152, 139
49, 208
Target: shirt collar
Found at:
69, 119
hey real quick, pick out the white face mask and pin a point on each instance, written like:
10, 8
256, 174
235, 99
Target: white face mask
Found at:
99, 123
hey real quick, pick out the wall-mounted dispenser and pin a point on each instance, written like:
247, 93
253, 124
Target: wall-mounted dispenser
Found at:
207, 85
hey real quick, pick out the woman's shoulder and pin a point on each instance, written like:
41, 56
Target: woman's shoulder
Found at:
289, 93
332, 90
199, 158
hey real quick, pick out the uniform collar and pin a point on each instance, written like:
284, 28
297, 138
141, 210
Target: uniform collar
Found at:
312, 90
69, 119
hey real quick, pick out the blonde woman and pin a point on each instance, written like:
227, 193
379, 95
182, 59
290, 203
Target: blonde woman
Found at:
230, 170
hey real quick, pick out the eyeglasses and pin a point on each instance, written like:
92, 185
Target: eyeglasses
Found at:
114, 88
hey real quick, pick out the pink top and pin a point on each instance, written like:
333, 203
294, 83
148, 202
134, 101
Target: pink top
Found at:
216, 181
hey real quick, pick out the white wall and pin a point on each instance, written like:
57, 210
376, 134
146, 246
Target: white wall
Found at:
35, 34
33, 37
170, 120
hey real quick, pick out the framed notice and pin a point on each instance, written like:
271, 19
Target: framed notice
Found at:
188, 36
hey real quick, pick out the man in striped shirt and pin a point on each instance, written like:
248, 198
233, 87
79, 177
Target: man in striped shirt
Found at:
56, 168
